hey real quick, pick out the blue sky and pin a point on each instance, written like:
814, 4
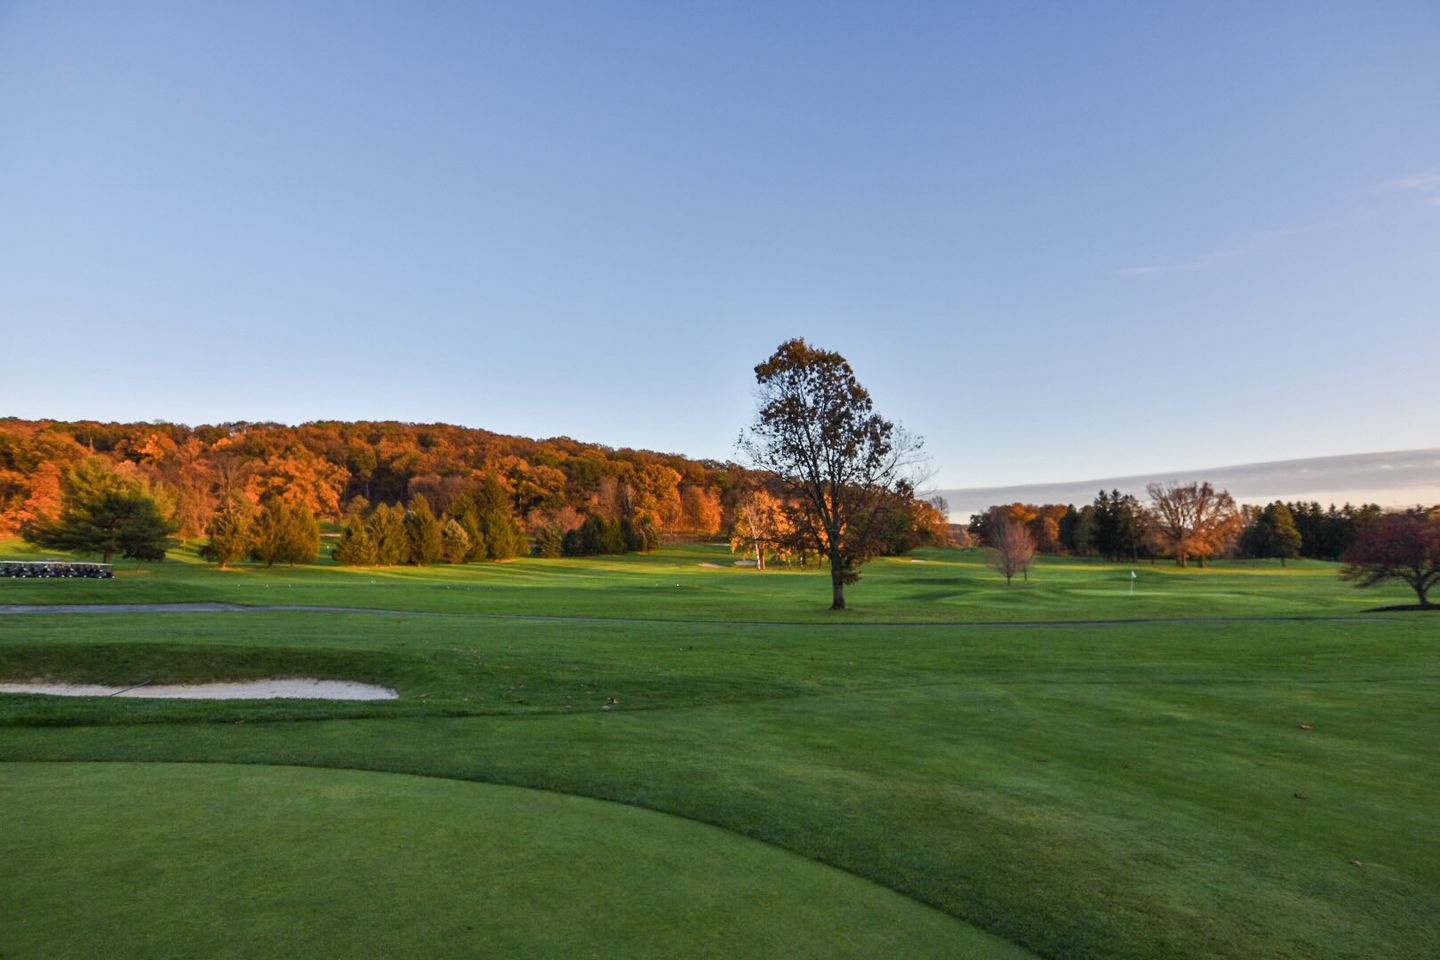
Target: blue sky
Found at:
1057, 240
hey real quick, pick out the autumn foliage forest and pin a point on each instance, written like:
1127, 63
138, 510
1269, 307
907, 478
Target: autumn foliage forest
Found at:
333, 469
452, 493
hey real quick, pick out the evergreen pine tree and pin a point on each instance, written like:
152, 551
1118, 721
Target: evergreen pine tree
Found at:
503, 536
455, 542
586, 540
1281, 538
285, 533
478, 549
302, 535
612, 538
423, 529
631, 540
649, 535
104, 512
267, 534
550, 542
229, 532
356, 547
387, 529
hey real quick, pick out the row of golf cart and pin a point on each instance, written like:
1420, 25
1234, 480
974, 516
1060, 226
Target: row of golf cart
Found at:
55, 569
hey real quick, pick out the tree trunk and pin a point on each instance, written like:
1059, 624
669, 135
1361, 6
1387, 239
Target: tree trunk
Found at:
1422, 591
838, 585
105, 555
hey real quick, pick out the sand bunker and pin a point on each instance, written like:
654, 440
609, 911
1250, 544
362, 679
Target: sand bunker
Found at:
297, 688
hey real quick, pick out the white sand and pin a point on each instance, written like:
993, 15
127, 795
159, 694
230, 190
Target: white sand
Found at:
300, 688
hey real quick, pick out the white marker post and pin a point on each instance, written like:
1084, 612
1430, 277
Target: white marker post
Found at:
1132, 582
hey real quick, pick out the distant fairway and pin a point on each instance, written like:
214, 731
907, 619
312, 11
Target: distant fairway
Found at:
1138, 785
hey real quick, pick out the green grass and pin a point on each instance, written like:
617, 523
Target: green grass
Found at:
1095, 789
932, 586
161, 859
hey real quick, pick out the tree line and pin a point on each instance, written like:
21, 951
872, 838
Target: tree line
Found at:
478, 526
1195, 521
1184, 522
485, 491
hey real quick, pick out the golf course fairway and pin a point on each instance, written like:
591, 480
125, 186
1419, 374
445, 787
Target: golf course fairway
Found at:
172, 860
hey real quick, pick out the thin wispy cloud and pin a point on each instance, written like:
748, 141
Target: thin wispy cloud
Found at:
1396, 478
1246, 246
1425, 186
1201, 262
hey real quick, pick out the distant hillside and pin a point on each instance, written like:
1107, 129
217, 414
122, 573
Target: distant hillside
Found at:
1397, 479
329, 465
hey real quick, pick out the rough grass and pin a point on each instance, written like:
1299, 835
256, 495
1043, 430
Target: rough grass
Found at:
1138, 789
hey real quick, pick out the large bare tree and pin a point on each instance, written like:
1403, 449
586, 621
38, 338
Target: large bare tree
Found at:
816, 431
1192, 519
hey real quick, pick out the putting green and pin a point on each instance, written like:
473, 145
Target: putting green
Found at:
178, 860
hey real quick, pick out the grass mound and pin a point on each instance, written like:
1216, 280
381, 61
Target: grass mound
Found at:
225, 861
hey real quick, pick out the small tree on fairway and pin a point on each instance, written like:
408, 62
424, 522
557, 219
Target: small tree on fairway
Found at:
356, 547
423, 530
1397, 546
1012, 547
761, 527
285, 533
106, 513
229, 532
387, 529
816, 432
454, 542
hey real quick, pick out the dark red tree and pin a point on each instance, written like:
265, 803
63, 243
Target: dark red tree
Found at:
1397, 546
